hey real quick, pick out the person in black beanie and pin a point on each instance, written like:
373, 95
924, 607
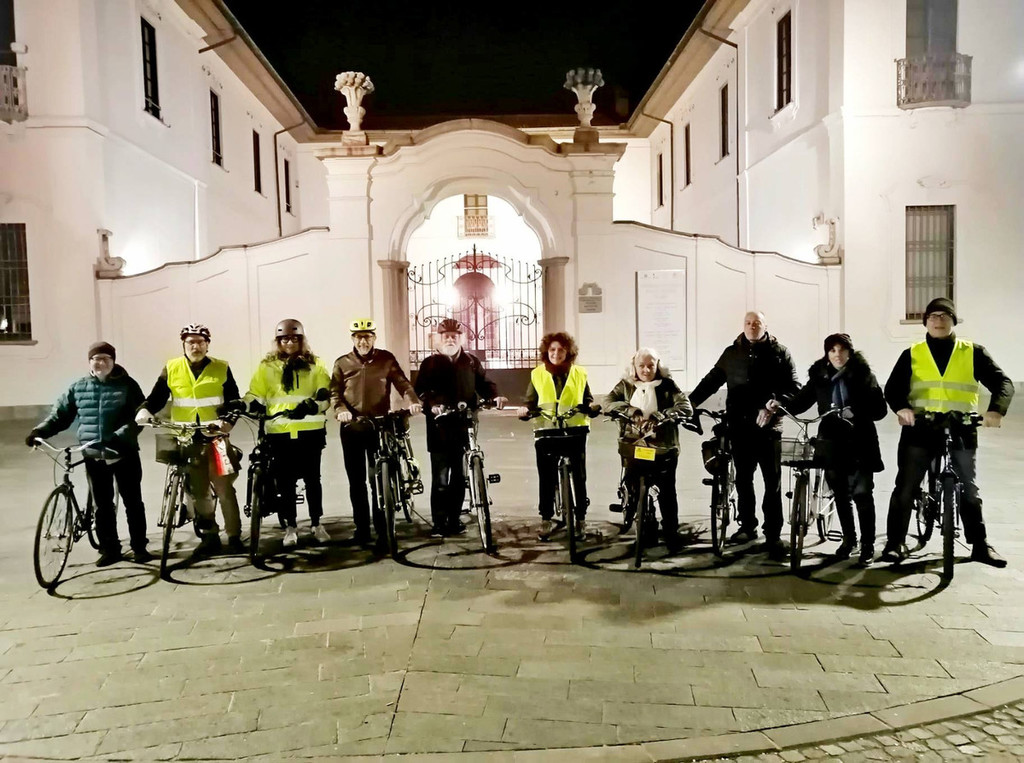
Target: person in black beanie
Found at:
847, 447
104, 404
942, 373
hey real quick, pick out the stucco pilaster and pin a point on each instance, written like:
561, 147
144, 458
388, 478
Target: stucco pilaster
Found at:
555, 318
395, 315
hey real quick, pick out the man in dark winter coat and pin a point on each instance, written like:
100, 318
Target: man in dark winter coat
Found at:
756, 368
104, 403
847, 446
942, 373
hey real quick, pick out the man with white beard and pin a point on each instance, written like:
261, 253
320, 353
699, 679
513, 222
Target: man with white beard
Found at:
449, 377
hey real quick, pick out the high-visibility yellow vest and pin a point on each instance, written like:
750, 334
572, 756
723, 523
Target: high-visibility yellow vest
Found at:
267, 386
195, 399
955, 390
572, 395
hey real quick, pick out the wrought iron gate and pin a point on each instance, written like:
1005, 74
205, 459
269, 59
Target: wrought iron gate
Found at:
497, 300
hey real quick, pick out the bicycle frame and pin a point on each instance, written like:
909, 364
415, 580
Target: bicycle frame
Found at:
719, 462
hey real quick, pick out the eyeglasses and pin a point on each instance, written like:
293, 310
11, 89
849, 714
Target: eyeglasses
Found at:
196, 342
289, 339
102, 358
939, 316
364, 337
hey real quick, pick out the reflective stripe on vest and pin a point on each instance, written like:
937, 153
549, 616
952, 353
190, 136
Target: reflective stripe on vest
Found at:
267, 386
955, 390
572, 395
196, 399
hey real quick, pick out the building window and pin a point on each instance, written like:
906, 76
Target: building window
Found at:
931, 27
661, 180
930, 248
723, 101
15, 313
287, 186
475, 222
686, 156
218, 155
149, 69
7, 56
784, 62
257, 176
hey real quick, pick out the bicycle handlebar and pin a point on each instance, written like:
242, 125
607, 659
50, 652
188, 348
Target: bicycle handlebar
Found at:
564, 416
967, 419
183, 427
70, 449
805, 422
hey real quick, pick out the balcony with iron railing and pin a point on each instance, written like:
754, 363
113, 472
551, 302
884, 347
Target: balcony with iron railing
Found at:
933, 80
476, 226
13, 100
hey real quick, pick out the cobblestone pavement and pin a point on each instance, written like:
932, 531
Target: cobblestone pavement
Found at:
326, 651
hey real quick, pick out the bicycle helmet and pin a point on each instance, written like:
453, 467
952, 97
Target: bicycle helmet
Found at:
363, 324
195, 329
449, 325
289, 327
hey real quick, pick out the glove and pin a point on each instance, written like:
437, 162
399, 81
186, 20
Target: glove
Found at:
231, 406
31, 439
256, 408
307, 407
657, 417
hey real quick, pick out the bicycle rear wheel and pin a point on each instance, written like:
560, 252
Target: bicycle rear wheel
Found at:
55, 534
256, 488
644, 509
89, 520
720, 510
389, 502
173, 495
950, 507
925, 515
568, 506
823, 504
481, 503
798, 522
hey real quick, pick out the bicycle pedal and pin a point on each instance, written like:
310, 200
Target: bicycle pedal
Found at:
709, 481
494, 478
416, 488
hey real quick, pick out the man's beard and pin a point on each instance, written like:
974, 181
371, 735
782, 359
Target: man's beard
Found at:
451, 350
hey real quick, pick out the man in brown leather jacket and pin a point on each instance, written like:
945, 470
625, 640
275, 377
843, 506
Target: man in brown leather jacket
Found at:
361, 386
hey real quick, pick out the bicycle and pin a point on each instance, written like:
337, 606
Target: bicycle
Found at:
716, 454
177, 449
260, 492
942, 500
62, 523
798, 454
647, 461
476, 479
823, 502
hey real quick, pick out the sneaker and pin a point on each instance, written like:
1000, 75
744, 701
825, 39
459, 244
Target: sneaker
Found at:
108, 558
456, 528
436, 532
142, 556
867, 556
743, 535
581, 528
984, 553
547, 526
845, 549
321, 534
776, 549
235, 545
291, 537
674, 542
362, 538
894, 554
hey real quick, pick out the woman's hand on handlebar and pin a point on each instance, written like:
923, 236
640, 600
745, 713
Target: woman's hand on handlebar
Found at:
343, 416
415, 409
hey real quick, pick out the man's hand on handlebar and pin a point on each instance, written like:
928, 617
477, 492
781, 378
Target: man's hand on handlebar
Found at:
499, 402
344, 416
906, 417
415, 409
992, 419
143, 417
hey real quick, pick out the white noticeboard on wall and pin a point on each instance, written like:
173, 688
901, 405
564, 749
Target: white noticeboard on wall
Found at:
661, 314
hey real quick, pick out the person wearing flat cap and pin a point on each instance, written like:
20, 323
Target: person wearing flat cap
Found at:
847, 447
942, 373
104, 403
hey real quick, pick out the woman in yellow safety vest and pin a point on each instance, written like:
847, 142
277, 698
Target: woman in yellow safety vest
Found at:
556, 386
288, 379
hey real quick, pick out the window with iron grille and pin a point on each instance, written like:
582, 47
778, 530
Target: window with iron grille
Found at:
931, 27
7, 56
784, 62
150, 81
475, 222
218, 156
686, 156
287, 186
661, 180
930, 249
257, 176
15, 312
723, 98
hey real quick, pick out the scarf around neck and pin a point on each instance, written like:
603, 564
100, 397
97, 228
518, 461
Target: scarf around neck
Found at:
644, 397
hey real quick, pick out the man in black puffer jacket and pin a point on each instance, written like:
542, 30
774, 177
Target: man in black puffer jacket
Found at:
104, 402
756, 369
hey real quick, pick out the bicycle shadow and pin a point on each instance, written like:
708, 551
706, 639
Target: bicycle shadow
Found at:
91, 582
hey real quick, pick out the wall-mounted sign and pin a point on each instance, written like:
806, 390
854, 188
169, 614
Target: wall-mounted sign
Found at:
661, 314
590, 299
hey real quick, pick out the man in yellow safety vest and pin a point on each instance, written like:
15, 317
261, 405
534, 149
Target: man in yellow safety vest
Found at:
942, 373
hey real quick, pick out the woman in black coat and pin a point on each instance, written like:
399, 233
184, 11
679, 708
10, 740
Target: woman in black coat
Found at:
848, 445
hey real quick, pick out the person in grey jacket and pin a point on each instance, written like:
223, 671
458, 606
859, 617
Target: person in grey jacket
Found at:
104, 403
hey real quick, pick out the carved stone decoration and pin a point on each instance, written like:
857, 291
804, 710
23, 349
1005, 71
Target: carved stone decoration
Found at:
107, 266
354, 86
584, 82
831, 253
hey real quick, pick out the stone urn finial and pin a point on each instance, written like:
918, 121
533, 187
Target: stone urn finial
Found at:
584, 82
354, 86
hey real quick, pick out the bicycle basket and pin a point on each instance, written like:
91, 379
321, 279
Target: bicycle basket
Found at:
795, 449
168, 451
709, 453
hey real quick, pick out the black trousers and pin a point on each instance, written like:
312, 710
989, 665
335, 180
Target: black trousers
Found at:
128, 473
294, 459
548, 450
668, 500
912, 466
756, 448
359, 448
854, 487
447, 486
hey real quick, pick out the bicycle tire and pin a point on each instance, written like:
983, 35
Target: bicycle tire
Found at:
798, 522
819, 499
568, 506
643, 508
89, 520
255, 511
54, 537
719, 512
950, 506
169, 514
925, 516
481, 503
388, 503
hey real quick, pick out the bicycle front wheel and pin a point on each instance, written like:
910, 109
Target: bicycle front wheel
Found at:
798, 522
644, 511
388, 476
55, 534
89, 520
173, 496
720, 506
924, 514
568, 505
481, 503
950, 506
256, 488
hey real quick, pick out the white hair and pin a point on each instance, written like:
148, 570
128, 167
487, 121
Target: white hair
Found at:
660, 371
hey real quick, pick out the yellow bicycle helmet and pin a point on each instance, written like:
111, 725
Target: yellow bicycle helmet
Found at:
363, 324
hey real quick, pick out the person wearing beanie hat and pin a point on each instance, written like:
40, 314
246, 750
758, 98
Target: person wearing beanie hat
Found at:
104, 404
942, 373
847, 447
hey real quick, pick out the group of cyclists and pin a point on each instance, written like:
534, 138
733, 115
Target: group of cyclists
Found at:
941, 373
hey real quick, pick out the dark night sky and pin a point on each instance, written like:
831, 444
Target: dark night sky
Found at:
447, 59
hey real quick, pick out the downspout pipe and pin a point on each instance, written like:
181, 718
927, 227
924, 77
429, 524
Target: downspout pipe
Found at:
735, 47
277, 177
671, 168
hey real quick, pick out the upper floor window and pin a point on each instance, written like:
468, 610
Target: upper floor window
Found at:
930, 249
723, 99
933, 72
784, 61
150, 80
287, 186
257, 175
687, 179
218, 154
7, 56
475, 222
931, 27
15, 312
